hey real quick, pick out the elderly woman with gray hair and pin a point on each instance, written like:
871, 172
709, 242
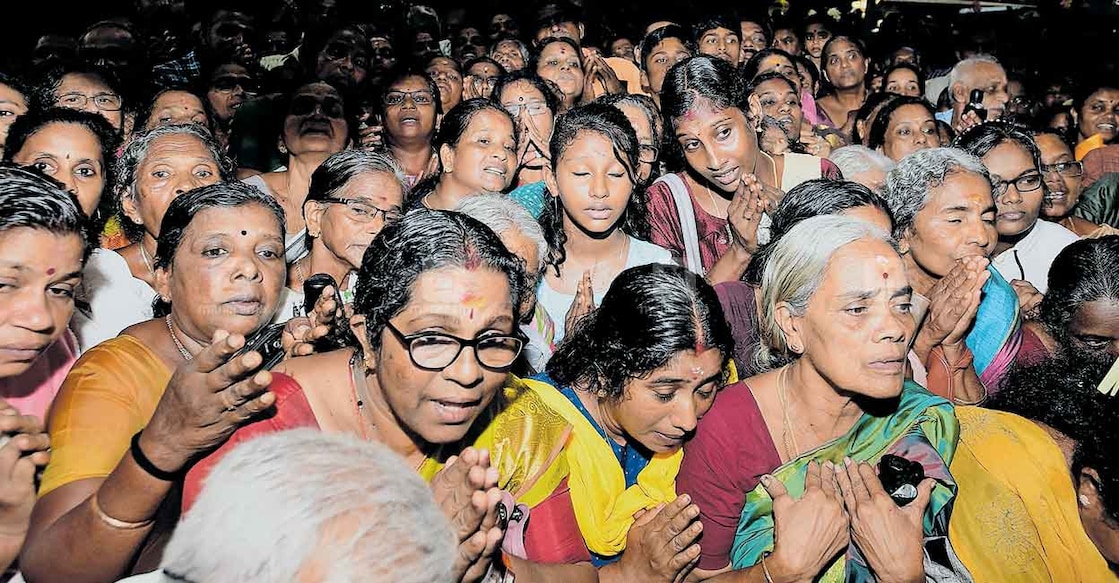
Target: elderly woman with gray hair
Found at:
944, 216
783, 467
523, 237
156, 167
352, 196
863, 165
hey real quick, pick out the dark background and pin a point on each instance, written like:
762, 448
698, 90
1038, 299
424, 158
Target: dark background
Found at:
1079, 40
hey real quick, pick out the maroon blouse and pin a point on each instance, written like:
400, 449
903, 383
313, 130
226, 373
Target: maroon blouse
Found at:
731, 451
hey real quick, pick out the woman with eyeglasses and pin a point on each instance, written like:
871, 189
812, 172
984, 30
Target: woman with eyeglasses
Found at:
353, 195
228, 86
88, 88
315, 126
410, 110
477, 148
1026, 246
1063, 185
533, 103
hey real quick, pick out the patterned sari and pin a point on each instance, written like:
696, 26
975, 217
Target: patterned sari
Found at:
923, 428
996, 337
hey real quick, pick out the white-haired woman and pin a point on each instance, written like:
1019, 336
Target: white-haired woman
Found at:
523, 237
863, 165
944, 220
156, 167
835, 327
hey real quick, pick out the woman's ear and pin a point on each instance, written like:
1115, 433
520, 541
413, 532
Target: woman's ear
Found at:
447, 158
163, 283
129, 205
550, 180
1088, 491
312, 214
790, 327
903, 242
369, 356
754, 109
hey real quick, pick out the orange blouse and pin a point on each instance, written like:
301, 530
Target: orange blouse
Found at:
109, 395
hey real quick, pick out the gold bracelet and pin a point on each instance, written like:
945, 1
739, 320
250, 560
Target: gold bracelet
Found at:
113, 522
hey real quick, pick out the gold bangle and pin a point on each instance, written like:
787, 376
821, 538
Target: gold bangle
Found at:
765, 569
113, 522
982, 399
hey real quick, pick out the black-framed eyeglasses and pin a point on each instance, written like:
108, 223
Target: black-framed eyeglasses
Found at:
648, 153
1070, 169
364, 212
418, 97
437, 351
1024, 183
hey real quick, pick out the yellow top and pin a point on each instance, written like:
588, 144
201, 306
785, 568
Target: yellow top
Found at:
109, 395
1016, 516
537, 438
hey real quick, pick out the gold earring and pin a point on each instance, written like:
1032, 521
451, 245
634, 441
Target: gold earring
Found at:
1084, 501
601, 394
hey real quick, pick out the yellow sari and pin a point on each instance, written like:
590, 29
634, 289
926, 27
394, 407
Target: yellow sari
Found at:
1016, 516
538, 438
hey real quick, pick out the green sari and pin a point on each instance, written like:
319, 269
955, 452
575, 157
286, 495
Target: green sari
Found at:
923, 428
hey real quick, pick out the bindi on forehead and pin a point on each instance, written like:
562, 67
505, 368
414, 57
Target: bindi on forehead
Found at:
51, 271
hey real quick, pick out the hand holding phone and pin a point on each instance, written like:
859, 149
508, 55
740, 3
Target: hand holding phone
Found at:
975, 103
268, 341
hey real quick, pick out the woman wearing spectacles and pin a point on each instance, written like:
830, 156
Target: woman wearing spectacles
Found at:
316, 125
353, 195
532, 102
1026, 247
228, 86
90, 89
410, 109
1063, 185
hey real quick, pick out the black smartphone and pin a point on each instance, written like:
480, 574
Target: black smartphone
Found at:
312, 290
975, 103
268, 341
900, 478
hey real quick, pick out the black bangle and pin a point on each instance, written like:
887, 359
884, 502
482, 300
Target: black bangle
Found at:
147, 465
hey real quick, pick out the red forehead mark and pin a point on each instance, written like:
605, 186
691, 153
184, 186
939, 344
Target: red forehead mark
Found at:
885, 275
50, 271
471, 313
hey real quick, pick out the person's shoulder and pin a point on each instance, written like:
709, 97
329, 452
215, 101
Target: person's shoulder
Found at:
645, 252
1058, 233
304, 367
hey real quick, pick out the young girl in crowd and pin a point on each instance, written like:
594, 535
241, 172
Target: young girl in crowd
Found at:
595, 222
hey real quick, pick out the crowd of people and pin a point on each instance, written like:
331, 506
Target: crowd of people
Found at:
741, 297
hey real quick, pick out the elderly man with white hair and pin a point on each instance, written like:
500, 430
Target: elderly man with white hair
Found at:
304, 505
863, 165
981, 72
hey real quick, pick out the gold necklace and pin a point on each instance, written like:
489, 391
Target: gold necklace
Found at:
787, 436
715, 205
175, 338
144, 258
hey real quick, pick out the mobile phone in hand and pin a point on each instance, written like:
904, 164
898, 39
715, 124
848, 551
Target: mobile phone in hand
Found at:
268, 341
975, 103
312, 290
